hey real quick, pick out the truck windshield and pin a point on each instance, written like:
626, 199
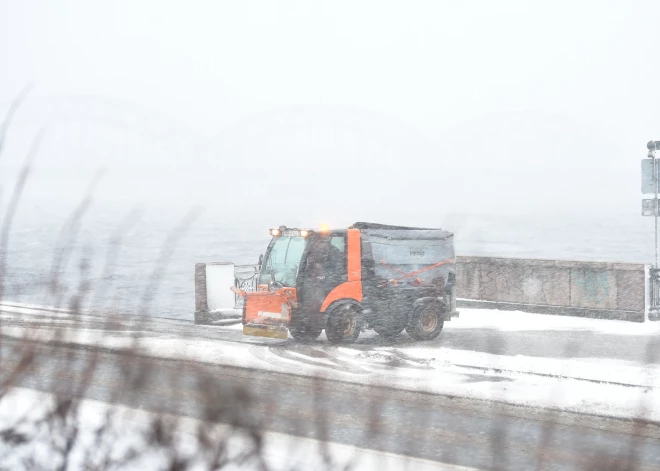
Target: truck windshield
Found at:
281, 263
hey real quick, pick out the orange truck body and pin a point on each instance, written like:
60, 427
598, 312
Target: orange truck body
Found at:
319, 286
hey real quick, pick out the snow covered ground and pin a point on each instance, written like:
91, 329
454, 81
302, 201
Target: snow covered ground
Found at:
568, 381
23, 408
518, 321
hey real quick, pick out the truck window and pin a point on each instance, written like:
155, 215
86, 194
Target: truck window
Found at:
336, 259
283, 260
339, 242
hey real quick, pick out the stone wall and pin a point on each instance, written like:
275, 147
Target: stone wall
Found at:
615, 290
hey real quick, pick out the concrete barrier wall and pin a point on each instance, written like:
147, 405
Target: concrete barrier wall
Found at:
593, 289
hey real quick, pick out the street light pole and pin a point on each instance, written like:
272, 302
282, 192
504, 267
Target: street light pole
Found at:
652, 146
651, 176
655, 204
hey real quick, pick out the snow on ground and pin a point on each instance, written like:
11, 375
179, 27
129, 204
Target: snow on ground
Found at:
600, 386
606, 371
524, 321
596, 369
23, 408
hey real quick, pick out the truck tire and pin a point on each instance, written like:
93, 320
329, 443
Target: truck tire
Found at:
344, 324
304, 333
426, 322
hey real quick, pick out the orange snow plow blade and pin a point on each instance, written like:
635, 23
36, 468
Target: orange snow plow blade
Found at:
261, 330
267, 313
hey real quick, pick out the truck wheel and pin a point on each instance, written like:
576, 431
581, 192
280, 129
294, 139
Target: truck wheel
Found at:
426, 322
344, 324
304, 333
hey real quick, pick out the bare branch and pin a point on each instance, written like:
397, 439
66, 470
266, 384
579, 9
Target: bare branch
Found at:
13, 108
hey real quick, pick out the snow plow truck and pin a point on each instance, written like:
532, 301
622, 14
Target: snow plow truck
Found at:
369, 276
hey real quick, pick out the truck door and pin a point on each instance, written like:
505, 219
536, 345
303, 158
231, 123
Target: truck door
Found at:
325, 268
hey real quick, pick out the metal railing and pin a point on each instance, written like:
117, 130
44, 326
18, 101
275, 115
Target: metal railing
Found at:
245, 279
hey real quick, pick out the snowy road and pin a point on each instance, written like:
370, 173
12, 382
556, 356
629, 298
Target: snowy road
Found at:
411, 424
596, 367
437, 397
479, 330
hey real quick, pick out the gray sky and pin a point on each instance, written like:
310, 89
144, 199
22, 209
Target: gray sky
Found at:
336, 111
